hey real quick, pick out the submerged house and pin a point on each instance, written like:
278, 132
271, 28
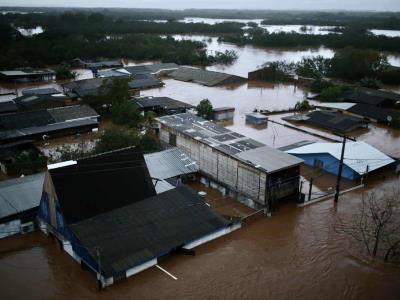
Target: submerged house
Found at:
154, 69
19, 201
161, 105
106, 214
360, 158
27, 75
48, 122
331, 120
205, 77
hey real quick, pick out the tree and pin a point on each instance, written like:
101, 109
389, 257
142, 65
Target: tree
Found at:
354, 64
126, 113
63, 72
371, 83
205, 109
376, 226
116, 138
302, 105
28, 162
313, 67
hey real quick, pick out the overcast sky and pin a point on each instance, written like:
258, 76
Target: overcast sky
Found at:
381, 5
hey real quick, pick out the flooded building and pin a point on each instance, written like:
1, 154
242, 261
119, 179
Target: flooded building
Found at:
238, 166
379, 98
154, 69
256, 118
205, 77
106, 214
360, 158
47, 123
223, 113
334, 121
19, 202
43, 101
161, 105
27, 75
86, 87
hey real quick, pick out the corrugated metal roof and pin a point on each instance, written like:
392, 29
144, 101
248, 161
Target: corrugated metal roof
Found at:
269, 159
170, 163
40, 91
335, 105
68, 113
357, 155
20, 194
150, 69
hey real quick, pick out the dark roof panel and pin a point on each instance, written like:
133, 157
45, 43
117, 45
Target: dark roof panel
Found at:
102, 183
136, 233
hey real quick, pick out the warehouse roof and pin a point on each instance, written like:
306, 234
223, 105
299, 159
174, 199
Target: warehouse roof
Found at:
204, 77
170, 163
143, 81
151, 68
101, 183
136, 233
20, 194
220, 138
357, 155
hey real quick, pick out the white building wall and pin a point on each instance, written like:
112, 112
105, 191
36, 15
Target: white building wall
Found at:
10, 228
227, 170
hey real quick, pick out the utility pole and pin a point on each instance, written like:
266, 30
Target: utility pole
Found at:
310, 190
99, 279
339, 176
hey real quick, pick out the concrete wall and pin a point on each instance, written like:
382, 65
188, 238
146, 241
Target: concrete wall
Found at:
239, 177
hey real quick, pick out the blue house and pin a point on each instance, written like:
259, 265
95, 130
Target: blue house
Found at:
359, 158
107, 216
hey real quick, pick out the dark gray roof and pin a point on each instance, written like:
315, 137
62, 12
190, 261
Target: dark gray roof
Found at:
40, 91
220, 109
20, 194
104, 64
7, 107
46, 121
136, 233
373, 112
170, 163
74, 112
162, 102
112, 73
144, 81
87, 87
331, 120
150, 69
204, 77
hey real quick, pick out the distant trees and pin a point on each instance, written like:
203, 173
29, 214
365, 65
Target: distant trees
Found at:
375, 226
371, 83
205, 109
355, 64
313, 67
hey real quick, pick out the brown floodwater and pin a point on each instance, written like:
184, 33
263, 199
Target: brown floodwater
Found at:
294, 254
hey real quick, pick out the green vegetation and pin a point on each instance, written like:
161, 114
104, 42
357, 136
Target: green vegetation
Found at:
302, 105
371, 83
63, 72
27, 162
313, 67
355, 64
331, 93
205, 109
357, 39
